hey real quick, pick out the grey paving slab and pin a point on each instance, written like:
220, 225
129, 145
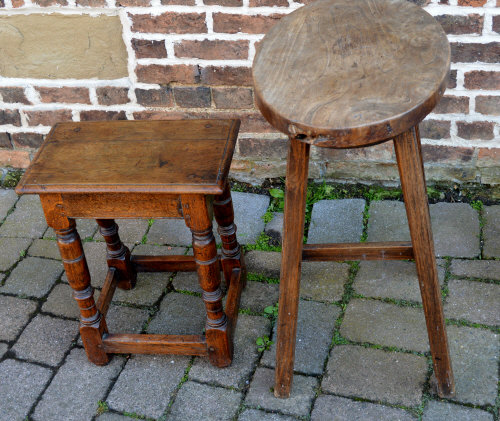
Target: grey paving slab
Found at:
323, 281
130, 230
187, 281
3, 349
266, 263
212, 403
154, 250
315, 324
169, 231
390, 279
335, 408
146, 384
20, 387
11, 250
439, 411
179, 314
44, 248
385, 324
336, 221
491, 231
388, 221
8, 198
87, 383
46, 339
60, 302
147, 290
26, 221
477, 302
373, 374
33, 277
260, 393
111, 416
14, 315
474, 359
258, 295
256, 415
484, 269
86, 229
274, 228
248, 329
121, 319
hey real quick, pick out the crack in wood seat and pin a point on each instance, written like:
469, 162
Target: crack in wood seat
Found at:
345, 74
143, 169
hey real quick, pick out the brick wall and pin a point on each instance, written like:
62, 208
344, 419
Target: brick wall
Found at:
190, 58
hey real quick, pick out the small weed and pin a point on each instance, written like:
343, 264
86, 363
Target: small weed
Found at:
263, 343
263, 244
23, 253
272, 311
338, 339
380, 193
433, 194
477, 205
11, 179
150, 222
102, 407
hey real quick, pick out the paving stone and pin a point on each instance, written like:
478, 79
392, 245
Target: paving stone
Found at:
299, 403
258, 295
388, 221
474, 359
110, 416
33, 277
3, 349
87, 384
61, 302
20, 387
121, 319
323, 281
130, 230
438, 411
11, 250
248, 329
266, 263
336, 221
8, 198
146, 384
335, 408
274, 228
44, 248
476, 302
385, 324
169, 231
86, 229
256, 415
26, 221
212, 403
491, 231
179, 314
153, 250
484, 269
315, 324
14, 314
373, 374
147, 290
46, 339
187, 281
390, 279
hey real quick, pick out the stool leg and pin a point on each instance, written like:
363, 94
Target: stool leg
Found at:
217, 332
411, 170
117, 255
92, 323
231, 250
293, 233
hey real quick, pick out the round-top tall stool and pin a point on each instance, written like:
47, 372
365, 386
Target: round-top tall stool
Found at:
346, 74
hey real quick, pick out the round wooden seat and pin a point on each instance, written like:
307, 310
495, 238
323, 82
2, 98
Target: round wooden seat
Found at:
347, 73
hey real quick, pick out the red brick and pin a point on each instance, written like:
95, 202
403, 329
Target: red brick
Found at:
452, 82
46, 3
16, 159
170, 23
156, 73
179, 2
263, 148
227, 98
236, 76
67, 95
446, 154
111, 95
17, 3
383, 152
14, 95
47, 118
98, 115
482, 79
145, 48
155, 97
189, 97
489, 105
472, 3
27, 140
91, 3
269, 3
476, 130
488, 157
435, 129
213, 49
5, 141
2, 3
471, 52
10, 117
496, 23
452, 104
232, 24
457, 24
133, 3
227, 3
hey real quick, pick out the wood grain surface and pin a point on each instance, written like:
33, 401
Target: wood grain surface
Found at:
344, 73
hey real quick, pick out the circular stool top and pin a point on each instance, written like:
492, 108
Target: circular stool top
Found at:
346, 73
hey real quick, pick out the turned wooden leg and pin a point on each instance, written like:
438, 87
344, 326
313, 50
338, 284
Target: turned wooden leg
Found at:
217, 332
411, 170
117, 255
92, 324
232, 257
293, 233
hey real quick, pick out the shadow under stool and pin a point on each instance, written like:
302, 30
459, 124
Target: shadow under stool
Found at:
349, 74
144, 169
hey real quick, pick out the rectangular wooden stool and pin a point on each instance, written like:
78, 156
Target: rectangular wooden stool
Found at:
143, 169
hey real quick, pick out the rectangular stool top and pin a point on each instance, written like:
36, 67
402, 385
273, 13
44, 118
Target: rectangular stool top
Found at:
188, 156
